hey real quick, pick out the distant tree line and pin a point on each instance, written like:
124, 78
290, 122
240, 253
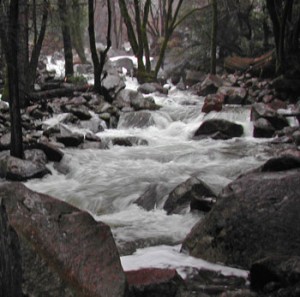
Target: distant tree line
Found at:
150, 25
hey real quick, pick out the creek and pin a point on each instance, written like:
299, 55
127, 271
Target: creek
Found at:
106, 183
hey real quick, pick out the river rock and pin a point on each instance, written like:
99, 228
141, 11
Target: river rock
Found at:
262, 128
154, 282
53, 153
255, 216
152, 196
210, 85
71, 140
234, 95
16, 169
219, 129
276, 276
148, 88
213, 102
261, 110
113, 84
64, 251
180, 198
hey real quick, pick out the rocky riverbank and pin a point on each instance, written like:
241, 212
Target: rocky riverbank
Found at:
252, 224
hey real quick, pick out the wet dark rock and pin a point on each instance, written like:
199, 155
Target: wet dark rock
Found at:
71, 140
219, 129
15, 169
234, 95
281, 164
263, 111
53, 153
180, 198
152, 196
128, 141
82, 112
202, 203
144, 103
276, 276
213, 102
64, 251
262, 128
210, 85
154, 282
255, 216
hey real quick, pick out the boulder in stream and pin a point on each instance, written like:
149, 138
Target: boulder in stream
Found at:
218, 129
64, 251
255, 216
188, 192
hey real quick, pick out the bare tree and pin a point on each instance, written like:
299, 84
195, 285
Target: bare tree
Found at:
136, 17
66, 33
9, 28
98, 60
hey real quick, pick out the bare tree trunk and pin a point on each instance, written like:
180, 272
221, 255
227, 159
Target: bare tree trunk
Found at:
213, 47
63, 13
77, 30
23, 52
9, 40
98, 62
38, 42
10, 259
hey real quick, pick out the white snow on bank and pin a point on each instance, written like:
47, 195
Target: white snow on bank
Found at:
170, 257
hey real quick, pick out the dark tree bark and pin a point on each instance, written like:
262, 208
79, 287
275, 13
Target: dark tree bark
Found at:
213, 62
9, 27
279, 12
37, 43
98, 62
23, 54
10, 259
66, 33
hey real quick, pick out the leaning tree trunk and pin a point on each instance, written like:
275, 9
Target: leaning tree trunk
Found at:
63, 13
10, 259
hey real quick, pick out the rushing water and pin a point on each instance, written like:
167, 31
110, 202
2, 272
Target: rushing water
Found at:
107, 182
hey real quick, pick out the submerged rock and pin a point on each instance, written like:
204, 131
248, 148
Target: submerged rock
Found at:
63, 249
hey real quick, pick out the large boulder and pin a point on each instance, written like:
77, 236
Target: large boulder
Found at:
210, 85
64, 251
234, 95
255, 216
218, 129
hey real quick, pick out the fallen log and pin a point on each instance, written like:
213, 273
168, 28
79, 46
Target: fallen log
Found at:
66, 90
260, 66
